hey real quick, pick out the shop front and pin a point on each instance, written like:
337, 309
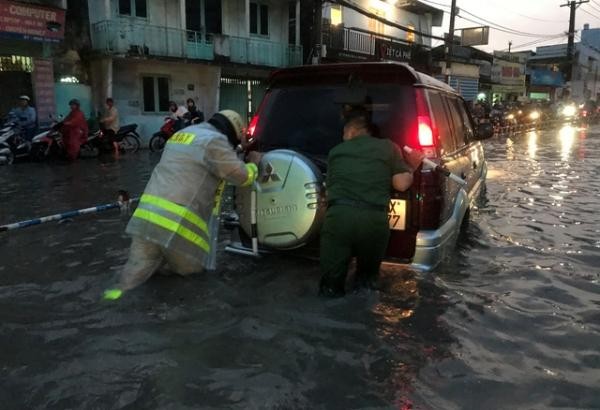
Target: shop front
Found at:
27, 35
508, 80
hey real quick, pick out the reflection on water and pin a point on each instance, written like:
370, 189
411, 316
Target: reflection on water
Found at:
511, 321
510, 150
532, 137
567, 137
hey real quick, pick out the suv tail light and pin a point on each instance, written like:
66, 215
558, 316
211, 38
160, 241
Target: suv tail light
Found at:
429, 195
252, 126
426, 132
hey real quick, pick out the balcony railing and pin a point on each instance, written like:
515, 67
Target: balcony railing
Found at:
366, 45
352, 40
262, 52
130, 37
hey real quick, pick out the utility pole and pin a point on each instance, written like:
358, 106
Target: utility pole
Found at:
450, 42
509, 46
571, 42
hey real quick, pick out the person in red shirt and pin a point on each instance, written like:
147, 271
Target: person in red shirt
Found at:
74, 130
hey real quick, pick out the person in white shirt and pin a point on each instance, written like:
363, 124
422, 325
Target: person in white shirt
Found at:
177, 113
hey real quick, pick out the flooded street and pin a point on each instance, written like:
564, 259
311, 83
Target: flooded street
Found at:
511, 322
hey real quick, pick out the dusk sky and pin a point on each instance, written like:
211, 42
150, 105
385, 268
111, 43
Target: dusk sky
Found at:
537, 18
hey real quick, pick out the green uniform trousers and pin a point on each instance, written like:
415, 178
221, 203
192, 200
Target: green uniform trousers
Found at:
347, 232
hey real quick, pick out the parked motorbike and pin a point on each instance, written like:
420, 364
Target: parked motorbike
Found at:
160, 138
12, 145
127, 139
48, 143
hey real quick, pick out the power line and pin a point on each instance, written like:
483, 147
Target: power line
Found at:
502, 8
386, 22
508, 29
587, 12
493, 25
592, 7
534, 42
596, 3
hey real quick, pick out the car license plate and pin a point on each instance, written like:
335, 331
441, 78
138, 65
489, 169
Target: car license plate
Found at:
397, 214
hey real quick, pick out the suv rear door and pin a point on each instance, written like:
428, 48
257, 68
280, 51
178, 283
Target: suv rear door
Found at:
468, 151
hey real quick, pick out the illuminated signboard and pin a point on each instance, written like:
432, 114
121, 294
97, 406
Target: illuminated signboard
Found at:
29, 22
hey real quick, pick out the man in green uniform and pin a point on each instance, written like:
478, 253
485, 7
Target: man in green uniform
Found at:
361, 172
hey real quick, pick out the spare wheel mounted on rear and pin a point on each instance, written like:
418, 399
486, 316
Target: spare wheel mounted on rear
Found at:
290, 206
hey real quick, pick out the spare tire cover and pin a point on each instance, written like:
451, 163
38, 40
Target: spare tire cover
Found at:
289, 206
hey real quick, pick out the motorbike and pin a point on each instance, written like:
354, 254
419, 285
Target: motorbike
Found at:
532, 117
48, 143
12, 145
588, 115
126, 137
160, 138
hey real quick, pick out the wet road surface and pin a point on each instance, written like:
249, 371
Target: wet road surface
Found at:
511, 321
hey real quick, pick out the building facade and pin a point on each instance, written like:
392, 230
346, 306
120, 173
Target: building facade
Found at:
509, 76
375, 30
146, 53
584, 67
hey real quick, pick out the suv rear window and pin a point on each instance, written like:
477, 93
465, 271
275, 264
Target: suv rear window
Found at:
307, 120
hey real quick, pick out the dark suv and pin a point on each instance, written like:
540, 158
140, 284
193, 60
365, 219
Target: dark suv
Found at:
299, 121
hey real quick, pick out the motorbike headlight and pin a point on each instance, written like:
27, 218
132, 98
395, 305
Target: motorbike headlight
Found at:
510, 117
520, 112
534, 115
569, 110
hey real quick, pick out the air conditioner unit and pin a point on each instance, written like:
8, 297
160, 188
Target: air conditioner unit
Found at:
137, 50
222, 47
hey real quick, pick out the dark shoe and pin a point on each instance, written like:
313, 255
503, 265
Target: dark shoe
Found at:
366, 283
327, 289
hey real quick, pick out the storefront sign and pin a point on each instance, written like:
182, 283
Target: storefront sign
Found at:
387, 50
29, 22
547, 77
43, 87
508, 73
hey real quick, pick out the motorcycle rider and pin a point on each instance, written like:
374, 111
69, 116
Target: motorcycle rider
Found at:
110, 123
175, 222
74, 130
26, 117
177, 113
195, 116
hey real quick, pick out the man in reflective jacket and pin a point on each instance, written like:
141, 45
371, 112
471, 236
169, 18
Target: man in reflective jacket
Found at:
176, 223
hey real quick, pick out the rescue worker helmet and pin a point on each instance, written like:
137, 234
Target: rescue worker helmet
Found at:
25, 97
229, 123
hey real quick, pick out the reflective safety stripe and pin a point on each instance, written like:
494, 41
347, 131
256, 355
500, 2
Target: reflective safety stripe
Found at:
172, 226
175, 209
185, 138
252, 170
219, 198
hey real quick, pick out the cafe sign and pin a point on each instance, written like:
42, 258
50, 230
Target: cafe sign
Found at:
387, 50
31, 22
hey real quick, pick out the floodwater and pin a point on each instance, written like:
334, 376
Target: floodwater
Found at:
512, 321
